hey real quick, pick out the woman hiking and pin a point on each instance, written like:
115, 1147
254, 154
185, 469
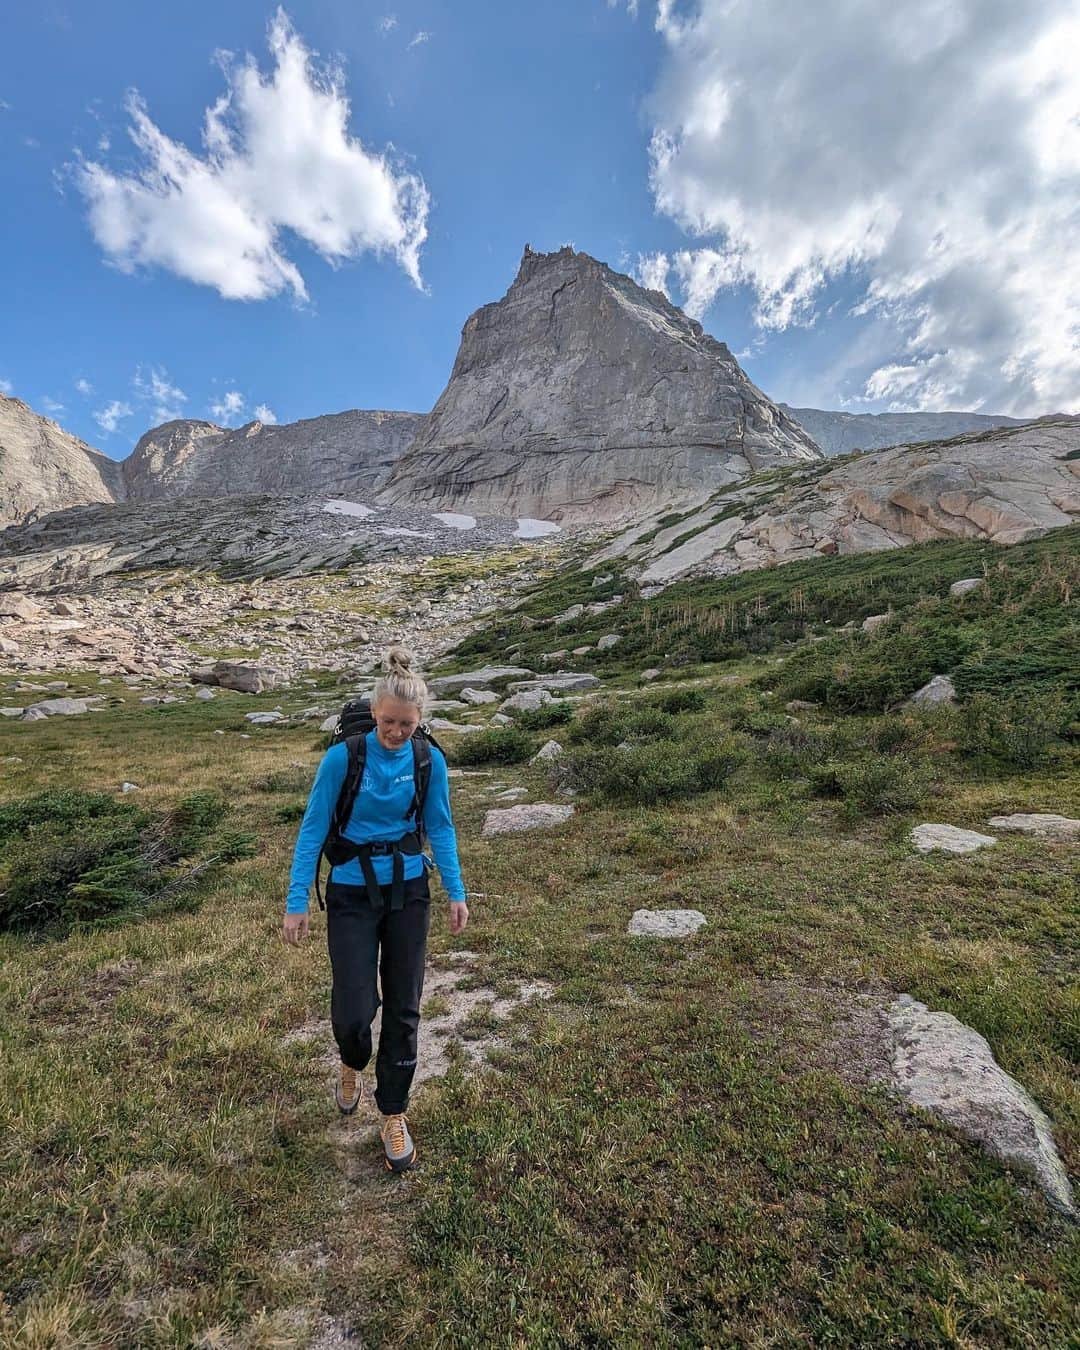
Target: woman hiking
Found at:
377, 901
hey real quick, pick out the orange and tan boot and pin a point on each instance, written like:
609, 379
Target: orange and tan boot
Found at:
349, 1090
397, 1143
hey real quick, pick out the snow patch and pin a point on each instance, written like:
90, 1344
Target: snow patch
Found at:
342, 508
527, 528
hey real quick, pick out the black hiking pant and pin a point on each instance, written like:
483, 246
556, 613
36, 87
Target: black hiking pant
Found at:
393, 942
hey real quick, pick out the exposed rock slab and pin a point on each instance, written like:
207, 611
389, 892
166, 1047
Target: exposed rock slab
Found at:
44, 468
565, 682
666, 923
580, 395
948, 839
947, 1068
1041, 825
517, 819
839, 433
483, 678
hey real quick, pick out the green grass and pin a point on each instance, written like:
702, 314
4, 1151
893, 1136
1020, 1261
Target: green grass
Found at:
684, 1146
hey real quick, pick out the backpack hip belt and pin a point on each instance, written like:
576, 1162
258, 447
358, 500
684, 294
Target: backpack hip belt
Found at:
345, 850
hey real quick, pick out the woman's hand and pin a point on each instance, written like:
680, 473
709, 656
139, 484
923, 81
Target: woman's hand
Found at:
459, 915
294, 928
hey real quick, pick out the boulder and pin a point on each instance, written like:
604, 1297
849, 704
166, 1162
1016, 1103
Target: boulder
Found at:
1042, 826
488, 676
527, 700
608, 641
569, 615
948, 839
477, 697
8, 647
565, 682
552, 658
443, 724
243, 678
16, 605
966, 586
873, 622
264, 719
204, 692
666, 923
647, 676
548, 751
56, 707
939, 690
947, 1068
517, 819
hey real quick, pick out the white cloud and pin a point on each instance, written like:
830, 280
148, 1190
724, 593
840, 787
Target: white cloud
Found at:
420, 37
652, 272
228, 409
104, 144
631, 6
6, 388
277, 156
386, 23
52, 405
157, 389
926, 153
266, 415
110, 417
84, 386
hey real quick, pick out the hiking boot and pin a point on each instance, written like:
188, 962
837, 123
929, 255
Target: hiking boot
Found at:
349, 1090
398, 1143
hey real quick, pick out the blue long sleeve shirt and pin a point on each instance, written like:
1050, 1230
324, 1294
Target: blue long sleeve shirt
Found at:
378, 815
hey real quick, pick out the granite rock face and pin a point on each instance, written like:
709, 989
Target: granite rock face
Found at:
839, 433
580, 396
43, 468
1006, 485
348, 452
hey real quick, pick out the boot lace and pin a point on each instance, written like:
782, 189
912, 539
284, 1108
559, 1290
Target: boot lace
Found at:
394, 1133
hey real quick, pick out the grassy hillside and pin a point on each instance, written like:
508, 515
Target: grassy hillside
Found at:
686, 1145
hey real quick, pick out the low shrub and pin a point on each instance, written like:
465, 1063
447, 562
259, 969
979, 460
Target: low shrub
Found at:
497, 745
681, 701
1017, 732
547, 715
70, 856
877, 784
715, 764
604, 724
647, 773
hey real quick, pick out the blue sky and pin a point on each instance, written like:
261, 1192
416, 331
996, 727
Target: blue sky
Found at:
789, 211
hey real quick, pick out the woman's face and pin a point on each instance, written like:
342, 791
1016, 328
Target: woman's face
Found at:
395, 721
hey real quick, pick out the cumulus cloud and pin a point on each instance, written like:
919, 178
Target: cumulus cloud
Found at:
927, 154
156, 389
84, 387
266, 415
420, 37
277, 158
387, 23
52, 405
652, 272
6, 388
229, 409
110, 417
631, 6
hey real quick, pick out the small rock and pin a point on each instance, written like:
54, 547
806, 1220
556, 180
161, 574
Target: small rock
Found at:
478, 696
549, 750
263, 719
949, 839
528, 700
330, 724
799, 705
651, 674
946, 1067
580, 651
444, 724
511, 794
608, 641
129, 787
1042, 826
501, 720
8, 647
966, 586
16, 605
603, 581
205, 693
939, 690
516, 819
565, 682
873, 622
553, 658
569, 615
665, 923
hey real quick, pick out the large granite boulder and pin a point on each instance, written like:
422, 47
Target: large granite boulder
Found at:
582, 396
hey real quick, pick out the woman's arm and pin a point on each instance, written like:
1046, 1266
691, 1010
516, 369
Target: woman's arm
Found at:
439, 824
314, 826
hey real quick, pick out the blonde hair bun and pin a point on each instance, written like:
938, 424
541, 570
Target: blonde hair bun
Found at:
401, 681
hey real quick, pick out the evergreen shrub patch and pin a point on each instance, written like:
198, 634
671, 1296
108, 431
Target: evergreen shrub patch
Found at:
498, 745
68, 856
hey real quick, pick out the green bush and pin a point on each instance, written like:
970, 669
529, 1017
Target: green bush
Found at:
70, 856
599, 724
547, 715
642, 773
497, 745
1016, 732
681, 701
880, 784
716, 764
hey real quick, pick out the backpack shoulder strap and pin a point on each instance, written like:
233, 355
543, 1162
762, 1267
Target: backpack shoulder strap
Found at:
356, 749
421, 748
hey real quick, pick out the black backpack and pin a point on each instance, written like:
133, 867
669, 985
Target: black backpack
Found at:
353, 725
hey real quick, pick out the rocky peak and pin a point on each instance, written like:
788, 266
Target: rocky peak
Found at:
581, 394
44, 468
